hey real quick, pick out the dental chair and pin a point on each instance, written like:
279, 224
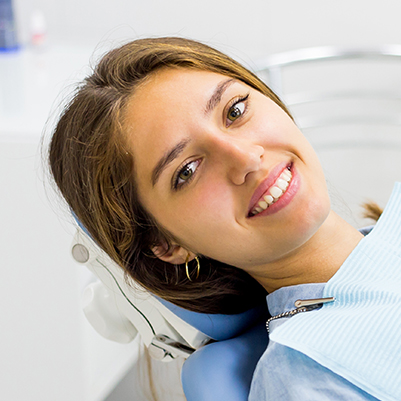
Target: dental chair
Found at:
229, 345
221, 351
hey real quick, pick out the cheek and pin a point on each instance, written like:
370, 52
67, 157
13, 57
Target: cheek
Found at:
207, 207
215, 195
196, 213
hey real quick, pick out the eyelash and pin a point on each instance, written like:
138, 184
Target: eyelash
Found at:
175, 184
232, 104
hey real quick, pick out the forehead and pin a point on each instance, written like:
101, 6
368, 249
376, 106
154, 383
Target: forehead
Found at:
177, 85
167, 94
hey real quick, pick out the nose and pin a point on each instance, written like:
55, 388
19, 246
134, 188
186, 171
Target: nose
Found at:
239, 157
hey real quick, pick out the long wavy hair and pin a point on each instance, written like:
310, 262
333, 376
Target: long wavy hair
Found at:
94, 173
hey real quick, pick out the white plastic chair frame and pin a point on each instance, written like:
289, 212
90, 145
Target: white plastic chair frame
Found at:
119, 310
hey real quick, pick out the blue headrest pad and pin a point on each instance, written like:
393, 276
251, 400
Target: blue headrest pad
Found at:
223, 370
216, 326
220, 327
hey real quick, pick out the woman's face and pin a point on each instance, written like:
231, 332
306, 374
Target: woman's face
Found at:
209, 152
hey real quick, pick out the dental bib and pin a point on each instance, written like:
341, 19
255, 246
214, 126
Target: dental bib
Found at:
358, 336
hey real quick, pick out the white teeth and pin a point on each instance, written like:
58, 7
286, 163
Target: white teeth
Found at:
275, 192
286, 175
282, 184
263, 205
268, 199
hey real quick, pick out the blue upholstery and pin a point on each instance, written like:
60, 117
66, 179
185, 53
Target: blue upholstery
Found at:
220, 327
223, 370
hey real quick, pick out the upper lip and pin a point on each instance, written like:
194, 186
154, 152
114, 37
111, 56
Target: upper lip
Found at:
266, 184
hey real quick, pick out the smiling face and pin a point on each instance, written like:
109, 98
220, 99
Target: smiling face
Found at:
210, 154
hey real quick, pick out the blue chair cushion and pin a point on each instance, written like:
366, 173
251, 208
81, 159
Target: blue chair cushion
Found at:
220, 327
223, 370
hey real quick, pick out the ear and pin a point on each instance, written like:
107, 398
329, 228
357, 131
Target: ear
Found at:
175, 255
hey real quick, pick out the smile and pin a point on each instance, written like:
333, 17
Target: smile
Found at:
274, 193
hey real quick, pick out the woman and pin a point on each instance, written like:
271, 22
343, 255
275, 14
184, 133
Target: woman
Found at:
171, 151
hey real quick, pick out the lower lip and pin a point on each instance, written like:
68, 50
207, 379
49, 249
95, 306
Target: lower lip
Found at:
285, 199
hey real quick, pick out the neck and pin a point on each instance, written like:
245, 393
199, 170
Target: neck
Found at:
317, 260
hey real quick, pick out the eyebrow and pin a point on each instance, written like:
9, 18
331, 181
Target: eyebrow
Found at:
173, 153
167, 158
217, 94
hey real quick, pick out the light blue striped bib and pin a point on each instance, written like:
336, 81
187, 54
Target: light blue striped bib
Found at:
359, 335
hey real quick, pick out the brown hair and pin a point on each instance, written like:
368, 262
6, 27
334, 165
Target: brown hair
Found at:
371, 211
94, 173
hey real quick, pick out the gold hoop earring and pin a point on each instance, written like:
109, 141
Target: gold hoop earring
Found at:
187, 269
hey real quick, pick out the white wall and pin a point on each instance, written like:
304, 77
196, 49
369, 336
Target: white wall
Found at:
34, 246
246, 28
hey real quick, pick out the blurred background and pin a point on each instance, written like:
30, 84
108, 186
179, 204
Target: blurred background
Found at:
48, 350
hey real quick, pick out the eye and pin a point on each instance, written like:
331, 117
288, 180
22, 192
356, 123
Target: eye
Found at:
185, 174
237, 110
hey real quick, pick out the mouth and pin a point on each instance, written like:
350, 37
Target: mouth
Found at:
273, 193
